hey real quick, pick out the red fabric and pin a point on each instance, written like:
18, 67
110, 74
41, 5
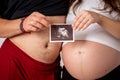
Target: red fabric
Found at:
16, 65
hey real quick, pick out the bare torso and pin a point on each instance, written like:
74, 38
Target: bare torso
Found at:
37, 45
86, 60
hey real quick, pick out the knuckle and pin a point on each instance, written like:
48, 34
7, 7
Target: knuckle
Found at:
35, 12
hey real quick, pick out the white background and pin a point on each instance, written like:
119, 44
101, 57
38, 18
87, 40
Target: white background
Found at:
1, 41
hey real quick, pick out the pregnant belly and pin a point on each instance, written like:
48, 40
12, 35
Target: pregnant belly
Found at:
86, 60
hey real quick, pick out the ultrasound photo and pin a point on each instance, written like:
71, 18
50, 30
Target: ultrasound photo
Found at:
61, 33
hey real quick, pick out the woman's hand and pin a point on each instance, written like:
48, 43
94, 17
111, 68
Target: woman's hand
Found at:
35, 22
84, 19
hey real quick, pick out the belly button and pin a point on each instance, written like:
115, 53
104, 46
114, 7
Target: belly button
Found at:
46, 45
79, 52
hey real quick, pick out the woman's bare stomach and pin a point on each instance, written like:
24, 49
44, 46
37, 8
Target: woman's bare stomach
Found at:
37, 45
86, 60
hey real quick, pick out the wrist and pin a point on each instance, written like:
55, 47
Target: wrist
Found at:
22, 25
101, 18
